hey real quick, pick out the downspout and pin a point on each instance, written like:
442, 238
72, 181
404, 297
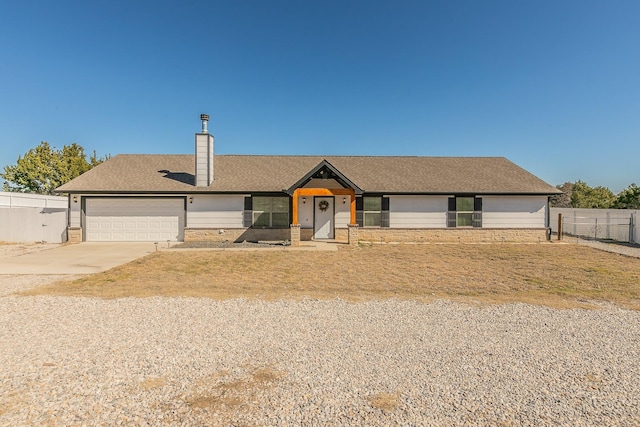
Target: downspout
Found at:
547, 219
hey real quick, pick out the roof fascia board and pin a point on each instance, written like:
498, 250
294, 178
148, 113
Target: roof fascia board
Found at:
245, 192
450, 193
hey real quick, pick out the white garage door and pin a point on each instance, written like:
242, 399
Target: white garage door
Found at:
134, 220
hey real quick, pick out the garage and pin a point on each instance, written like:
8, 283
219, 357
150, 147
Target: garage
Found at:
134, 219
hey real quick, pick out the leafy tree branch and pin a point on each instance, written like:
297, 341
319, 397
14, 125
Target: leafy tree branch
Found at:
43, 169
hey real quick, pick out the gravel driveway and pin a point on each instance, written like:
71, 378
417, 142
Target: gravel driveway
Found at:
178, 361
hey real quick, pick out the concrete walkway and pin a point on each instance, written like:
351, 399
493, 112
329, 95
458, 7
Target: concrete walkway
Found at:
82, 258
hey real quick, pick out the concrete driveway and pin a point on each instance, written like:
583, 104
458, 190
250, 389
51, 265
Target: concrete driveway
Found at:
82, 258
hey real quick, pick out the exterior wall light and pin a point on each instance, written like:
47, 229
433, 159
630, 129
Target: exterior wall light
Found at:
344, 200
190, 199
75, 199
304, 200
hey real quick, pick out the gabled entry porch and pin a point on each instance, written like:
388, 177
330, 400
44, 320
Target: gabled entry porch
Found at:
323, 206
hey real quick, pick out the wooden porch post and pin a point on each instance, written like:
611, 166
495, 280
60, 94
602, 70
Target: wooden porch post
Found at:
353, 207
294, 220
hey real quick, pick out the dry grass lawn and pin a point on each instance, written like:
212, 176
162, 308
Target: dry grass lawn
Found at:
557, 275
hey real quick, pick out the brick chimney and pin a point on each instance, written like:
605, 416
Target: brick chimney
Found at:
204, 155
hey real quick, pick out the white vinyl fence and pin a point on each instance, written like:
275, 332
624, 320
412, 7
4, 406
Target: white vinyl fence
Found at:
33, 218
620, 225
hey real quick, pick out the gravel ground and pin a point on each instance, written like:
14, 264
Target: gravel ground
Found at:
179, 361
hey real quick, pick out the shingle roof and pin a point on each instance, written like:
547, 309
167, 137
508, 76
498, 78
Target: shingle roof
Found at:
154, 173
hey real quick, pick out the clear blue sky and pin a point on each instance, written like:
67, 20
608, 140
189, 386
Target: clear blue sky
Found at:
552, 85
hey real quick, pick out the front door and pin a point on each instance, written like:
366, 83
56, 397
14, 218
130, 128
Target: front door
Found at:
323, 225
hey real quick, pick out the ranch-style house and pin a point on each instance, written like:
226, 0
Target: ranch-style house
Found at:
239, 198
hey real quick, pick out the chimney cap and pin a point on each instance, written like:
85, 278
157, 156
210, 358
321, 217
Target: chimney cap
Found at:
205, 120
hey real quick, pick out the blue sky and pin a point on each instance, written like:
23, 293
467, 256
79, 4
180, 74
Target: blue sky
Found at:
551, 85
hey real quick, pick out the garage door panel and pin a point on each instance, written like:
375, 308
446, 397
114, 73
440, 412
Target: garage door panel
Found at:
121, 219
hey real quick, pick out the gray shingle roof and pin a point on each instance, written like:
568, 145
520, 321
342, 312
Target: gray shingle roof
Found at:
153, 173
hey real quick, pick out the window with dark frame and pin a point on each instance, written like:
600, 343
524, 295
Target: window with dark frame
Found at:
372, 211
465, 211
371, 208
266, 212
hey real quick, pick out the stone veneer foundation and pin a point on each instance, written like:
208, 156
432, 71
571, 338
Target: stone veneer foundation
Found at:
236, 234
355, 234
250, 234
295, 235
74, 234
451, 235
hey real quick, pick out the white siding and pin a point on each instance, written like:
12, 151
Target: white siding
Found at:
215, 211
204, 160
513, 211
75, 212
343, 211
418, 211
305, 212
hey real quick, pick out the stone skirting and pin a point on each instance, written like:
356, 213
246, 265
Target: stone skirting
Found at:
236, 234
295, 234
341, 234
74, 235
450, 235
252, 234
306, 234
353, 235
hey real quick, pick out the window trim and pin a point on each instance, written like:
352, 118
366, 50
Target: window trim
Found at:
250, 214
371, 213
465, 212
383, 213
476, 213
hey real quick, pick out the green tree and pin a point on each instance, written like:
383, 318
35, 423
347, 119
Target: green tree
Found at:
598, 197
629, 198
562, 200
43, 168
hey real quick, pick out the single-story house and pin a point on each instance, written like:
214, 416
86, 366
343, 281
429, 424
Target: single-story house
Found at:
205, 196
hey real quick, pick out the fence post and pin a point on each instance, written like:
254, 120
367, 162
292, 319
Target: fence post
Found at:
559, 226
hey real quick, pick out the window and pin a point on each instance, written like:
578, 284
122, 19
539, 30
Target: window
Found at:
372, 211
372, 208
270, 212
465, 212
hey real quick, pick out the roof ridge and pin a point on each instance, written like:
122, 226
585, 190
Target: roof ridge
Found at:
382, 156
